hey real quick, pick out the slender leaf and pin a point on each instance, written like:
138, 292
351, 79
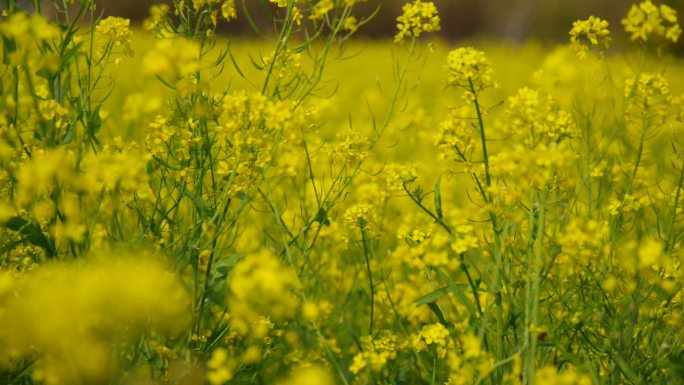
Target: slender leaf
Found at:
438, 198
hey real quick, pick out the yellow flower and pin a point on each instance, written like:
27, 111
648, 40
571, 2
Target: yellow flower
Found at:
537, 118
20, 26
360, 215
417, 17
84, 313
279, 3
549, 375
646, 19
397, 175
309, 375
650, 253
469, 68
6, 212
471, 346
219, 368
228, 10
352, 147
594, 30
377, 352
260, 286
322, 8
351, 24
113, 32
173, 58
432, 335
156, 21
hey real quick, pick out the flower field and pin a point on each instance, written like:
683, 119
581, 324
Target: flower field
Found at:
306, 206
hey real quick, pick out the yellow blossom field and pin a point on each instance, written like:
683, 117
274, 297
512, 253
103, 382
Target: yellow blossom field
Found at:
307, 206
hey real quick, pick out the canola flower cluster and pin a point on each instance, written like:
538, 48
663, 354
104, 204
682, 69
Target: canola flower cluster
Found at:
646, 19
418, 17
175, 209
593, 30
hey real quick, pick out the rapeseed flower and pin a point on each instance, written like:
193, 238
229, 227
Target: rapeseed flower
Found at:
593, 31
646, 19
115, 32
469, 69
417, 17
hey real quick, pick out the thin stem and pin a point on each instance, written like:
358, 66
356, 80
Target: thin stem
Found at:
437, 219
483, 138
498, 257
632, 177
397, 92
366, 256
671, 235
534, 273
283, 38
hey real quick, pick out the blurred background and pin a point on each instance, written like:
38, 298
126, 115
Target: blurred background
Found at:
516, 20
513, 20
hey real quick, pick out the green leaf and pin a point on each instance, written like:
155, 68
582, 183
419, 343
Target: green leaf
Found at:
8, 47
235, 63
457, 289
86, 3
438, 312
322, 217
32, 233
68, 56
224, 265
433, 296
166, 83
438, 198
461, 297
442, 291
94, 122
70, 134
241, 195
45, 74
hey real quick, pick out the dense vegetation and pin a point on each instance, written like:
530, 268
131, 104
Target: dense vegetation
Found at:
310, 208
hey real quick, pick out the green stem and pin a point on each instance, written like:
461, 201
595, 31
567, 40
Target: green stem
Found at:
483, 138
366, 256
498, 257
534, 273
436, 218
397, 91
281, 44
632, 177
671, 234
207, 273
